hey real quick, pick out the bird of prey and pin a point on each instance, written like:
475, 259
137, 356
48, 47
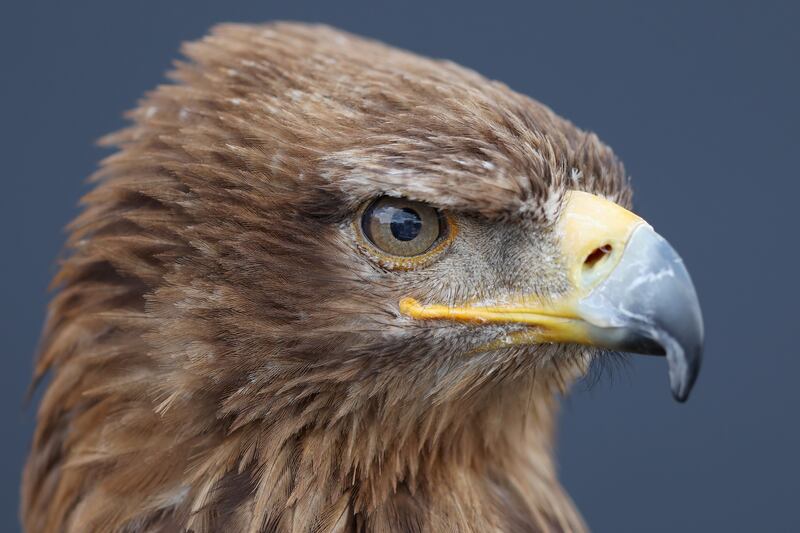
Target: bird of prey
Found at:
327, 285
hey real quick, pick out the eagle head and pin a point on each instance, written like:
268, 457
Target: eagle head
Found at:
325, 284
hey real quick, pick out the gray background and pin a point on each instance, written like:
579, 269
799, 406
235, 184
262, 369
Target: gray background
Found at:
699, 99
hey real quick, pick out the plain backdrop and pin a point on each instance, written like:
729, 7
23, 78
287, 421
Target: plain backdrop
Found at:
700, 99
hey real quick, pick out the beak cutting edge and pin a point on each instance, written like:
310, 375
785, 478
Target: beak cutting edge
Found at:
629, 291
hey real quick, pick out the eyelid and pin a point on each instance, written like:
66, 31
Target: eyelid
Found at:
447, 235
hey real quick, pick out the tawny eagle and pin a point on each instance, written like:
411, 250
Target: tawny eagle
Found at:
327, 285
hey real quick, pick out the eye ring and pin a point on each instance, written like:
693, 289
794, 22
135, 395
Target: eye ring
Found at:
402, 234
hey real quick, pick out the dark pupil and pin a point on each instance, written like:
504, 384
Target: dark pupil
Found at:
405, 224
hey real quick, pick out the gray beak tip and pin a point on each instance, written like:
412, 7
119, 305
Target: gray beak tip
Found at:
680, 391
683, 370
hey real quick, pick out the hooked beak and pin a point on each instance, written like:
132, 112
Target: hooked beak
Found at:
629, 291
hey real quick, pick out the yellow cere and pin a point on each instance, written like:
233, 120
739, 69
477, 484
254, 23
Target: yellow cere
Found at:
590, 223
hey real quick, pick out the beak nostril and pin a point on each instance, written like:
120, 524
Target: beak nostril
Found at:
597, 255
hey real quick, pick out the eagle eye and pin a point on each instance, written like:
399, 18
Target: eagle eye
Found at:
401, 232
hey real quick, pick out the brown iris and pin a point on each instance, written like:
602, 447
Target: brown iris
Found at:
400, 227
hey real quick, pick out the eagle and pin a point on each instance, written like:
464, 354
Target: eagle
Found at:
326, 285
